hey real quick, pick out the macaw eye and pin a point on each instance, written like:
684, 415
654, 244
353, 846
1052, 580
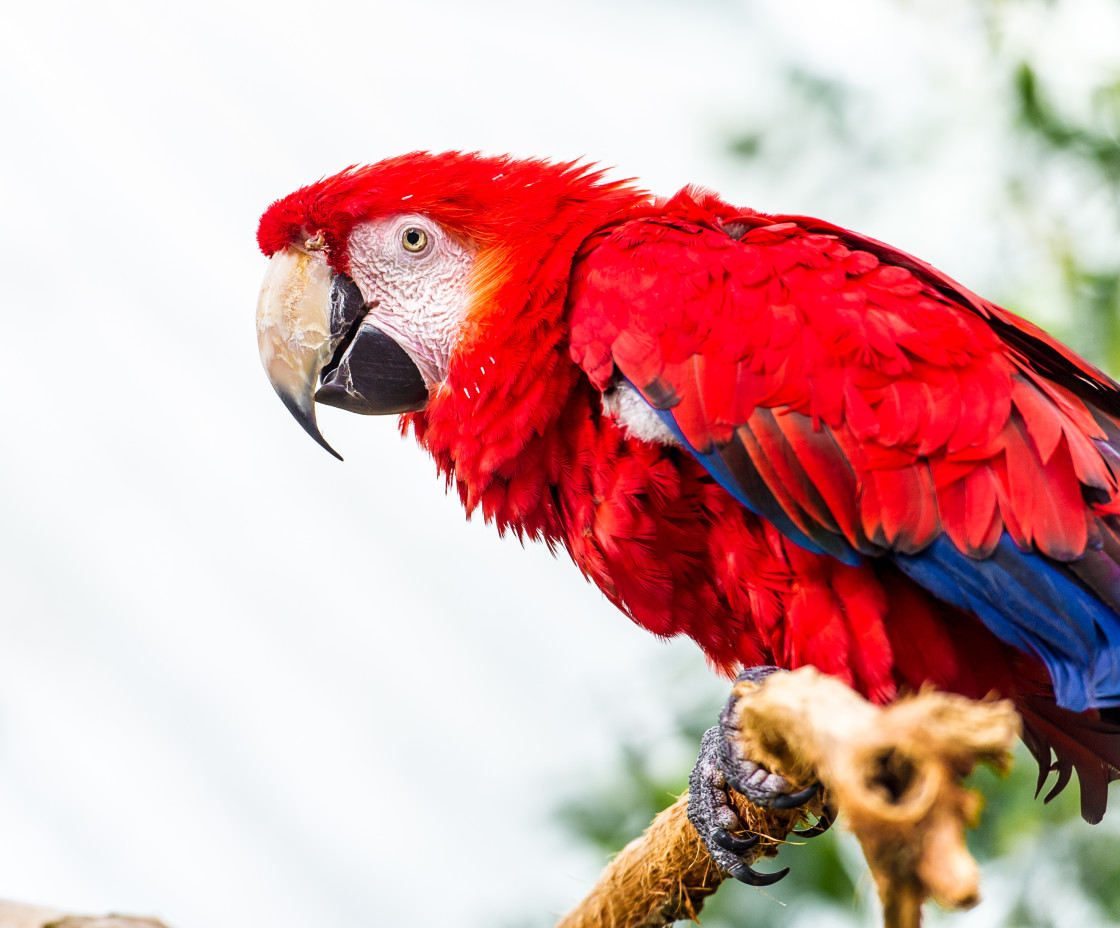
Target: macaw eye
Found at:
414, 239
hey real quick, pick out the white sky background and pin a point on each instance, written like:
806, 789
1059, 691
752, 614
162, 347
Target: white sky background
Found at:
241, 683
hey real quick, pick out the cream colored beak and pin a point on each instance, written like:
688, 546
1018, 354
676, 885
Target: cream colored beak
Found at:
294, 331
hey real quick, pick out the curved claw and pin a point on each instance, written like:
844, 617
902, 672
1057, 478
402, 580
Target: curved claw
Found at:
793, 800
729, 842
744, 874
824, 822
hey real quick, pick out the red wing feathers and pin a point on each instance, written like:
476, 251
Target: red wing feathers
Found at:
875, 405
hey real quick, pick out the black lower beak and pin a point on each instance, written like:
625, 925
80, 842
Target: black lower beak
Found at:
374, 377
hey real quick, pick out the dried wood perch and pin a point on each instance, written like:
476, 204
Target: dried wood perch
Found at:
894, 773
17, 915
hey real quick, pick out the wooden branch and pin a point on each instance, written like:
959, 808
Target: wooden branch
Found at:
17, 915
894, 773
666, 874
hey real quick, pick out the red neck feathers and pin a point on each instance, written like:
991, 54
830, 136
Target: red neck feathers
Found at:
490, 426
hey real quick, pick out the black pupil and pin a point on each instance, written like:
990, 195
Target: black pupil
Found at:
412, 236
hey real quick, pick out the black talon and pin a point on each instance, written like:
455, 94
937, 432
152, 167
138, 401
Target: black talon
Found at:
744, 874
793, 800
824, 822
729, 842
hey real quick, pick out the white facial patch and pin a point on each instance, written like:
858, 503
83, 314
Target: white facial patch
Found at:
414, 276
623, 403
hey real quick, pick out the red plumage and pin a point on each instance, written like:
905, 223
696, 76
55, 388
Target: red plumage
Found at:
865, 407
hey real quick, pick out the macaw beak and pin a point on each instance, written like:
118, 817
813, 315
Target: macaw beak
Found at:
311, 329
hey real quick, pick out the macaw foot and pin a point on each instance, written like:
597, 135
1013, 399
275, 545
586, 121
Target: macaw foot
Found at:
721, 766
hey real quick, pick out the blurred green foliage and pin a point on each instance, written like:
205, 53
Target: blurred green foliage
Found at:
1089, 147
1044, 868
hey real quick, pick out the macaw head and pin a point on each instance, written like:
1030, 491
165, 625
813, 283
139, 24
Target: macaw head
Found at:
379, 275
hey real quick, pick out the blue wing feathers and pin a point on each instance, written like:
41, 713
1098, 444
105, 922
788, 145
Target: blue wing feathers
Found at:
1031, 603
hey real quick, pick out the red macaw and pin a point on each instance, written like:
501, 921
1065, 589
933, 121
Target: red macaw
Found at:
791, 442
